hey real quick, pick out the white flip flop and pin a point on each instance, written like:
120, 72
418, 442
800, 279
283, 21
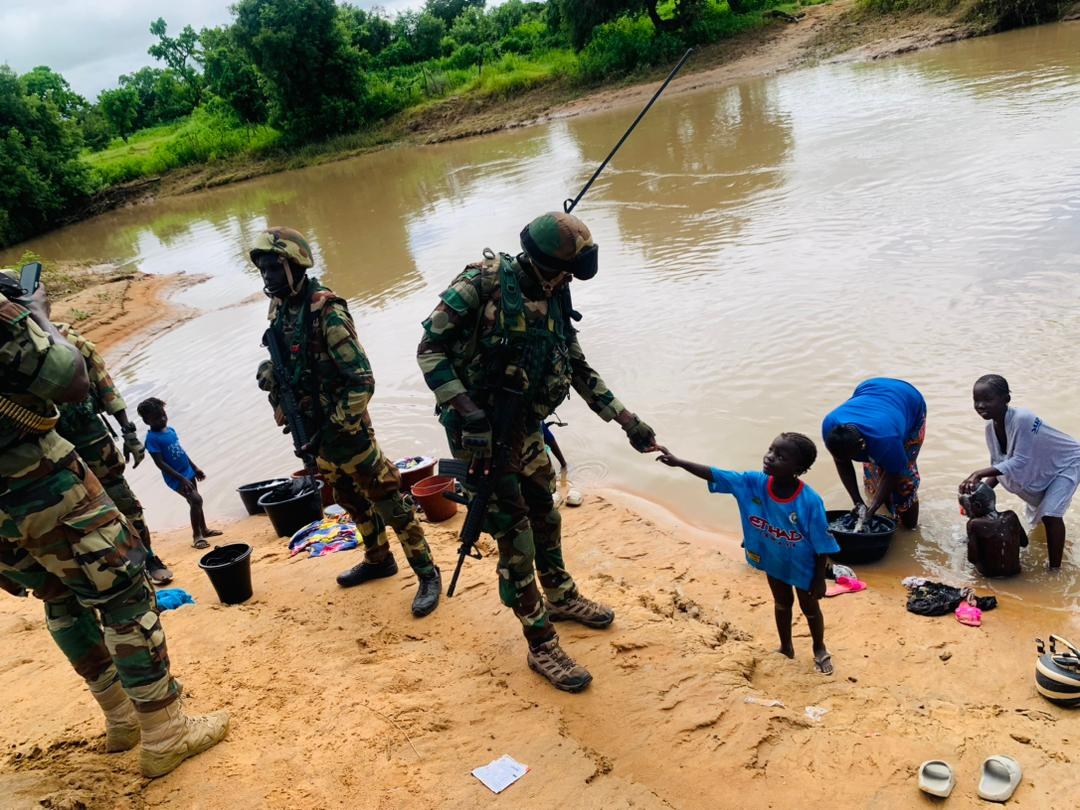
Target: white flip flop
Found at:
1000, 778
574, 498
936, 778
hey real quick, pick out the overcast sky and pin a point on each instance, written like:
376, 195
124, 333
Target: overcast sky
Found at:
93, 42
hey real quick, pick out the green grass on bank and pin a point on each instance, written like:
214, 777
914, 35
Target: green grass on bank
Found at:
204, 137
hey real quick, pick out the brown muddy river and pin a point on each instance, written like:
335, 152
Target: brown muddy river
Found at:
763, 248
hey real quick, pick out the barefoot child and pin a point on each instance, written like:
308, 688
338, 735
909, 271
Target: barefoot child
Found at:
785, 533
994, 538
178, 470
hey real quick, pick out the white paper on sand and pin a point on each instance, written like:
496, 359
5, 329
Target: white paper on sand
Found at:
500, 773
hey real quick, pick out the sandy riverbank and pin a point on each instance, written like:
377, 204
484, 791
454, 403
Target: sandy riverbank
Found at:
111, 306
342, 699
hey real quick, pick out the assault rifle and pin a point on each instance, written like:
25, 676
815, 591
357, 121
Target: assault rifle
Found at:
287, 399
504, 415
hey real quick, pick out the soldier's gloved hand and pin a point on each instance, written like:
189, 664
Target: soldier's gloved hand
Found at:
476, 435
133, 446
642, 437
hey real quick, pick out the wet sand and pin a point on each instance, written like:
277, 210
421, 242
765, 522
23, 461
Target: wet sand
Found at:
342, 699
117, 308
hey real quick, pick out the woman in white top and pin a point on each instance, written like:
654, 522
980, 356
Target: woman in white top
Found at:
1029, 458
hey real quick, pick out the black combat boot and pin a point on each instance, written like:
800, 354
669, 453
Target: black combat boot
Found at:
427, 597
359, 574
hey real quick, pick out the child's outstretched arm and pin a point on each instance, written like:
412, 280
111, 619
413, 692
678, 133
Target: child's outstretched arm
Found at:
702, 471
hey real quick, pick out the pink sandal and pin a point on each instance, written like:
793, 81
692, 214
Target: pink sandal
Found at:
845, 585
968, 614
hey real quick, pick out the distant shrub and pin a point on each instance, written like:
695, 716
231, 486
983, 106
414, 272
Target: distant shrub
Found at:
625, 44
468, 55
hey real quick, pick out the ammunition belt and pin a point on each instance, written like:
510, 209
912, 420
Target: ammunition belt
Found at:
26, 419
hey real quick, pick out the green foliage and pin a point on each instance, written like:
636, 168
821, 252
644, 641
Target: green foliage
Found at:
181, 54
625, 44
95, 127
43, 176
49, 85
230, 76
512, 74
120, 107
466, 56
368, 31
580, 18
449, 10
213, 132
306, 64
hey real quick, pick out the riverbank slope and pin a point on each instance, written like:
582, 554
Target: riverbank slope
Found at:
341, 699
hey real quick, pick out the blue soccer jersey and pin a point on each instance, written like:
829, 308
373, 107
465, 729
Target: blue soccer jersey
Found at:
781, 536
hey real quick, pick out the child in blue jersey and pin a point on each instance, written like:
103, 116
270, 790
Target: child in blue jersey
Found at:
785, 532
177, 468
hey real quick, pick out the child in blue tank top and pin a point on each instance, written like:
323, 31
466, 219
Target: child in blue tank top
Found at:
785, 532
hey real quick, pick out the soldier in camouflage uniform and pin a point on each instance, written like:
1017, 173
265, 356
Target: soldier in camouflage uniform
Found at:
83, 424
333, 383
64, 540
509, 315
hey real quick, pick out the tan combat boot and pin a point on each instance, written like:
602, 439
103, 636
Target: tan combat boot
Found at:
549, 660
581, 610
169, 737
121, 719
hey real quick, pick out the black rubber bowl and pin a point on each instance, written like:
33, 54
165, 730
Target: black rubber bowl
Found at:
250, 493
864, 547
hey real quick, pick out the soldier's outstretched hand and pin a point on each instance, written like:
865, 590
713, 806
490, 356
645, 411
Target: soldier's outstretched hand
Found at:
642, 437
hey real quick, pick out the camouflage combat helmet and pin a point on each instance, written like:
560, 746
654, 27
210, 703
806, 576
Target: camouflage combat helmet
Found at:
559, 242
285, 242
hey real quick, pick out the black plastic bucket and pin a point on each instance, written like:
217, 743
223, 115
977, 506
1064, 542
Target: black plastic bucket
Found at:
229, 569
288, 512
250, 493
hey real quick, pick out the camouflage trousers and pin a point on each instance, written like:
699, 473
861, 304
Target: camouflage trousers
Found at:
104, 460
62, 538
528, 530
366, 484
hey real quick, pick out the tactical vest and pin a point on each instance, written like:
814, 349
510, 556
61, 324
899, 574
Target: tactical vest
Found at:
532, 335
310, 367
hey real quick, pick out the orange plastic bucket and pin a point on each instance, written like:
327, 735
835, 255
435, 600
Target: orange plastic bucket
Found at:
428, 493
